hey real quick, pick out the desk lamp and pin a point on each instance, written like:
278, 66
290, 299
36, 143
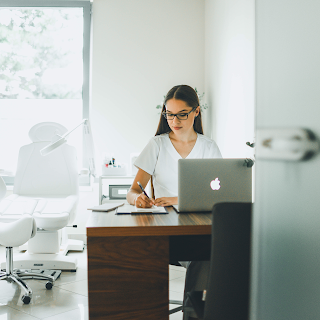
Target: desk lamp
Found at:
88, 143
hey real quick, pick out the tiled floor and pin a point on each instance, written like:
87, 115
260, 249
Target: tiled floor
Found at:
68, 299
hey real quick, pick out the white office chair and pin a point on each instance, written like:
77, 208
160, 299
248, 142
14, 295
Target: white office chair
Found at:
45, 187
23, 230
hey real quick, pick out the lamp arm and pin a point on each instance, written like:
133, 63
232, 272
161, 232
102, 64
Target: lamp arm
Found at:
67, 133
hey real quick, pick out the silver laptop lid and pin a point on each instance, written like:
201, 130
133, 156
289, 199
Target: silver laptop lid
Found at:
204, 182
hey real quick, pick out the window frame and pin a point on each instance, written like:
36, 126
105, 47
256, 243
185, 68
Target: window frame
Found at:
87, 10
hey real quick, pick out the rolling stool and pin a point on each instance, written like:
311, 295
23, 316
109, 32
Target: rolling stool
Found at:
14, 234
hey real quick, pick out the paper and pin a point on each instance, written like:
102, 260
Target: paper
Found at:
107, 206
129, 209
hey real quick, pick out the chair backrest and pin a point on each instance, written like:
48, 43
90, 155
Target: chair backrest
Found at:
52, 175
228, 285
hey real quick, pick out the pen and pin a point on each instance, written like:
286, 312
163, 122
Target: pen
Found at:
141, 187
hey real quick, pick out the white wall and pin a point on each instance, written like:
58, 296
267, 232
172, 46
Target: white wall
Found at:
229, 74
140, 50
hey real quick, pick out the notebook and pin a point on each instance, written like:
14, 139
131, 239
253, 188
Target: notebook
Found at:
205, 182
129, 209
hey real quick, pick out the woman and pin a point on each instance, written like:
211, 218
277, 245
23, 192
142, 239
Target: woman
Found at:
179, 135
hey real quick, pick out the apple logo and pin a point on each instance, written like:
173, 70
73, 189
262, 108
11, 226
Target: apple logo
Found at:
215, 184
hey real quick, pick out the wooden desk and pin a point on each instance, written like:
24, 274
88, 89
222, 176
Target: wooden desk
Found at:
128, 258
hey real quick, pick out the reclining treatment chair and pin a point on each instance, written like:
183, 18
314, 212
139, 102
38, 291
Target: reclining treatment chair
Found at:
22, 229
45, 187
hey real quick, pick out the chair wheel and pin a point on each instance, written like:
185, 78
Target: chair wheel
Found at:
49, 285
26, 299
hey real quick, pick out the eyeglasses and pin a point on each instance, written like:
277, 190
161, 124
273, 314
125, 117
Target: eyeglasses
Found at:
180, 116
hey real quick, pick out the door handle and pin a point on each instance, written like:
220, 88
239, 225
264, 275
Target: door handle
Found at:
288, 144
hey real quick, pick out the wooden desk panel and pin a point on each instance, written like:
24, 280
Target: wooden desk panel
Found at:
128, 278
106, 224
128, 259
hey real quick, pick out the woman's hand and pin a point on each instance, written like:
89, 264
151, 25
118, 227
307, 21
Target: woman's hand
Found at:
142, 201
166, 201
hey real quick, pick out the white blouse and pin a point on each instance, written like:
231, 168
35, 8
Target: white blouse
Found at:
160, 159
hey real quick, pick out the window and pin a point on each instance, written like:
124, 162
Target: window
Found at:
44, 71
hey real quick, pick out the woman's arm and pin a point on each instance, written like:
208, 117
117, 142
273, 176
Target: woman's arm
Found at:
135, 195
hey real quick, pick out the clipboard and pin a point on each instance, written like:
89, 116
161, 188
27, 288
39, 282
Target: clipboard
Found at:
129, 209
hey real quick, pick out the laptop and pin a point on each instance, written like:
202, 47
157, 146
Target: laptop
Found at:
205, 182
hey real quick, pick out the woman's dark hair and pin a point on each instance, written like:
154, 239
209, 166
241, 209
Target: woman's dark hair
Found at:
190, 97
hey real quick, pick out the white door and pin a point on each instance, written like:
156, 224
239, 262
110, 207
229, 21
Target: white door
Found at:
286, 232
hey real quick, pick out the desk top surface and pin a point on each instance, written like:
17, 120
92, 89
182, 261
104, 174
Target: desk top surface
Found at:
104, 224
